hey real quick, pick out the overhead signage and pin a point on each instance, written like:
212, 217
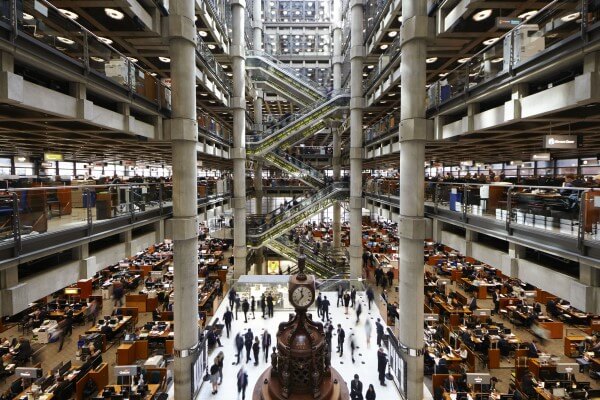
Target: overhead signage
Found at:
507, 22
53, 157
560, 142
468, 163
540, 157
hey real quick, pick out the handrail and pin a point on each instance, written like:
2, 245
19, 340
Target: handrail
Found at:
302, 166
212, 64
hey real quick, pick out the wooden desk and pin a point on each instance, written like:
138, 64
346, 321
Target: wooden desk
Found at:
555, 329
152, 389
121, 325
570, 345
535, 367
126, 354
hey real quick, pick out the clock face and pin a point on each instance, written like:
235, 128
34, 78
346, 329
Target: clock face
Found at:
302, 296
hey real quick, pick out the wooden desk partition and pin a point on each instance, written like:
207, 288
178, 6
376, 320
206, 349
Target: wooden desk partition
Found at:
141, 349
493, 358
136, 301
555, 329
99, 376
169, 346
126, 354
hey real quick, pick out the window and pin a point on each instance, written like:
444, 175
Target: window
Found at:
4, 166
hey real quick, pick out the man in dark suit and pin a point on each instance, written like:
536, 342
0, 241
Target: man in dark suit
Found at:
533, 350
527, 385
341, 336
472, 303
381, 364
356, 388
449, 385
266, 344
379, 331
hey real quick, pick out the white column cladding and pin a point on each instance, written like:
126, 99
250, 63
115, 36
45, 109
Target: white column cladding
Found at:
357, 101
412, 223
258, 192
184, 136
257, 25
337, 151
238, 152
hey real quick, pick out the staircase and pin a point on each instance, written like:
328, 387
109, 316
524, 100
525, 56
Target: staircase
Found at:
306, 122
277, 223
297, 168
269, 72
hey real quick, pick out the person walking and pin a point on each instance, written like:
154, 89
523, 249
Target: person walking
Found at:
378, 276
352, 297
256, 350
239, 345
270, 305
370, 296
352, 346
242, 382
370, 395
340, 293
252, 306
214, 377
118, 292
238, 303
358, 312
356, 388
325, 309
390, 276
266, 344
263, 304
245, 309
379, 331
248, 337
318, 303
219, 360
328, 334
381, 364
368, 329
232, 295
346, 302
341, 336
227, 318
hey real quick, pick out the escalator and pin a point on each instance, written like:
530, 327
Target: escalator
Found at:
296, 168
269, 73
298, 126
277, 223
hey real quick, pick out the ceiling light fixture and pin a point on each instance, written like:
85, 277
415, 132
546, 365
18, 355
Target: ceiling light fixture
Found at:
211, 46
97, 59
443, 74
570, 17
431, 60
481, 15
68, 14
114, 14
27, 17
490, 41
370, 66
528, 14
203, 33
463, 60
65, 40
497, 60
132, 59
393, 33
165, 59
383, 46
104, 40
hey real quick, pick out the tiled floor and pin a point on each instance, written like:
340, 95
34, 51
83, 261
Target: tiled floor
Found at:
366, 357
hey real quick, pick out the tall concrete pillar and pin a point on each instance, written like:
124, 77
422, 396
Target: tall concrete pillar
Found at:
257, 25
184, 224
337, 44
412, 223
258, 191
337, 208
357, 102
238, 152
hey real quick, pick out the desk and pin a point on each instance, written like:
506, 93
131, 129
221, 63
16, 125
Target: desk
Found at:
570, 345
555, 329
126, 354
535, 367
115, 328
152, 389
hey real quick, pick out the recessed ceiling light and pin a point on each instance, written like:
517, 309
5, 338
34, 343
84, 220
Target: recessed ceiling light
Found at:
431, 60
481, 15
114, 14
68, 14
153, 73
27, 17
570, 17
65, 40
229, 74
443, 74
98, 59
370, 66
212, 46
497, 60
365, 74
473, 74
490, 41
528, 14
383, 46
212, 101
165, 59
203, 94
392, 33
225, 66
104, 40
383, 101
132, 59
392, 94
203, 33
463, 60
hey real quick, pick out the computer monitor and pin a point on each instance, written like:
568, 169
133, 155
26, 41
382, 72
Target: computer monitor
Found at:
65, 367
559, 392
55, 370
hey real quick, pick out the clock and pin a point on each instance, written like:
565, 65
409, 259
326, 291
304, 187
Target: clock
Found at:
302, 296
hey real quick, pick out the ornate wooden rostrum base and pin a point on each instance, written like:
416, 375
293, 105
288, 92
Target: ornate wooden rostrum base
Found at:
268, 388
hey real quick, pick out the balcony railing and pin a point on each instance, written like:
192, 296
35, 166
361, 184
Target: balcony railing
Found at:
93, 53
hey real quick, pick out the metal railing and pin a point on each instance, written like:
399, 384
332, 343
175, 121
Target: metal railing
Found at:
27, 212
391, 54
295, 167
212, 64
92, 52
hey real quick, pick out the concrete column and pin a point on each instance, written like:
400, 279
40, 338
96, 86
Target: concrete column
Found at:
9, 277
357, 103
184, 224
81, 252
412, 223
589, 275
337, 45
126, 237
516, 250
258, 190
258, 112
238, 152
7, 62
159, 231
337, 208
257, 25
470, 237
